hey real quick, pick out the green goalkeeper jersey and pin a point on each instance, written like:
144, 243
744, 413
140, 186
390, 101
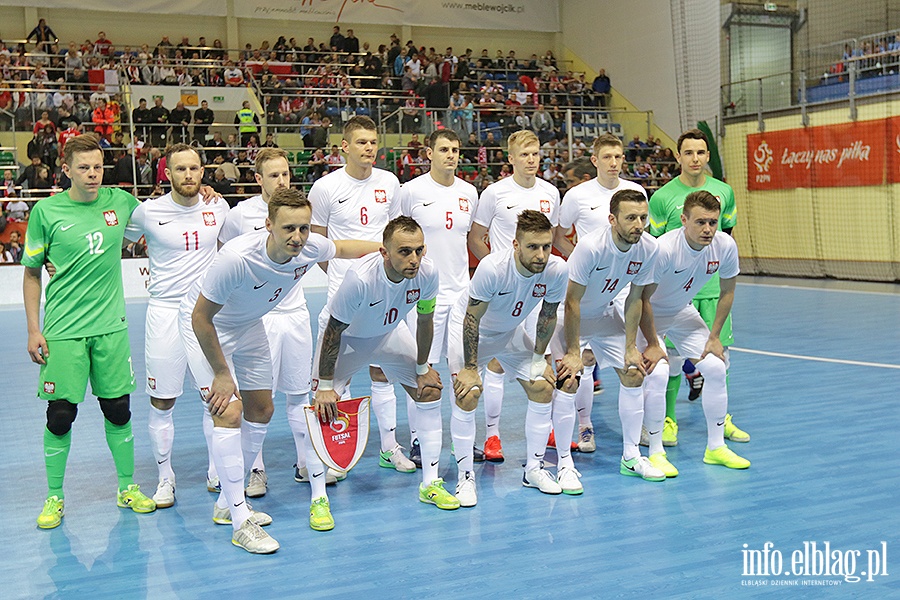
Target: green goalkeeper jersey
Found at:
666, 205
83, 240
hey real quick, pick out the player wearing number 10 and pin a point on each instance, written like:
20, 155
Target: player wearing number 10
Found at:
85, 332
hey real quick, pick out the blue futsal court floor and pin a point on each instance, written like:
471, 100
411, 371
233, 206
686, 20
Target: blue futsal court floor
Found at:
818, 394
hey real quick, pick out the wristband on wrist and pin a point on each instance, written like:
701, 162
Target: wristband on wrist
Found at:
325, 385
422, 369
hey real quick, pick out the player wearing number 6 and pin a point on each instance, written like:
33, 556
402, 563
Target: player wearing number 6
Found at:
85, 332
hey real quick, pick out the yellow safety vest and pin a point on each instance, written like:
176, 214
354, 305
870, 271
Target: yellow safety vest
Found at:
245, 115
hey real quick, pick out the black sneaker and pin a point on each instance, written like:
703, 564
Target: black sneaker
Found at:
477, 454
696, 384
415, 454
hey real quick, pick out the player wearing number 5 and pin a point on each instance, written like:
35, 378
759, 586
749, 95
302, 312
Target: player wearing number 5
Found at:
85, 331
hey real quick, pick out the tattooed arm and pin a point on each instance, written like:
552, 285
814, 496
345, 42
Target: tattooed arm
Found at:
326, 398
468, 377
546, 324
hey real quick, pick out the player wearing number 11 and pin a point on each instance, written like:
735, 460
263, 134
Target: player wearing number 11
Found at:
85, 332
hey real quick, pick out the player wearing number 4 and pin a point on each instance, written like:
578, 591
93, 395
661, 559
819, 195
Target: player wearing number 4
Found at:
505, 289
688, 258
443, 205
228, 351
181, 234
366, 323
85, 332
354, 203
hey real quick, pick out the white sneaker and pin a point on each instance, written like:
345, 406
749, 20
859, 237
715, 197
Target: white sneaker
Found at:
165, 494
466, 492
301, 475
541, 479
586, 441
394, 459
213, 485
567, 478
641, 467
645, 437
253, 539
222, 516
258, 484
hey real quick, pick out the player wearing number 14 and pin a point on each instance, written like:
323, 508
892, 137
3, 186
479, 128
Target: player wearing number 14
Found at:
85, 332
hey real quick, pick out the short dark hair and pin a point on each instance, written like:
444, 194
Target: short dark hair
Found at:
691, 134
437, 134
580, 167
288, 197
180, 147
532, 221
358, 122
624, 196
700, 198
86, 142
400, 223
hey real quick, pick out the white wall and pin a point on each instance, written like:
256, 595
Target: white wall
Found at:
633, 42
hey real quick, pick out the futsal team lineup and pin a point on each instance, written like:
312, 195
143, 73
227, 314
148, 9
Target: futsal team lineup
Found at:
521, 289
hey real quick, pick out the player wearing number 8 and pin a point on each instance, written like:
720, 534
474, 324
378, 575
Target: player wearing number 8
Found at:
85, 332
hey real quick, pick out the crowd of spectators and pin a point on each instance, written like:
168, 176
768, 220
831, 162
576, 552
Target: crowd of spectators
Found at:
875, 56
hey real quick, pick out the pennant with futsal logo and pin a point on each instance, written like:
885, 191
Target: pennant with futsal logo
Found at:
340, 444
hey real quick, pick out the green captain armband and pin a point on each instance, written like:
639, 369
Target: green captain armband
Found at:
426, 307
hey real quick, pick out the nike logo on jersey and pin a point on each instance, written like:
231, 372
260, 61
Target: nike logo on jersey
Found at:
504, 293
511, 206
374, 303
256, 287
602, 268
258, 228
427, 203
595, 207
165, 222
65, 227
681, 271
342, 201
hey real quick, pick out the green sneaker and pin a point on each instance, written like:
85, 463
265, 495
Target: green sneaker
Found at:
320, 517
661, 462
670, 432
434, 493
724, 456
134, 499
52, 514
735, 433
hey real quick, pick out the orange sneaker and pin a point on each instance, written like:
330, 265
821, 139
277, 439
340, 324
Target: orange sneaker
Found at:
493, 451
551, 443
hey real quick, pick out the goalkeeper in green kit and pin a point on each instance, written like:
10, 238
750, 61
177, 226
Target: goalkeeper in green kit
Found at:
666, 204
85, 332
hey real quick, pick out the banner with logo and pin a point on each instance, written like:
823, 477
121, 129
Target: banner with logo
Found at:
525, 15
340, 444
844, 155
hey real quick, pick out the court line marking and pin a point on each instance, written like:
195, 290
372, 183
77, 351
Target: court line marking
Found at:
816, 289
816, 358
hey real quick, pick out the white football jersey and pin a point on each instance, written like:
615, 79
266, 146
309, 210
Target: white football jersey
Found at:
352, 209
501, 203
586, 206
181, 243
445, 216
513, 296
248, 283
250, 215
681, 271
372, 304
605, 271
